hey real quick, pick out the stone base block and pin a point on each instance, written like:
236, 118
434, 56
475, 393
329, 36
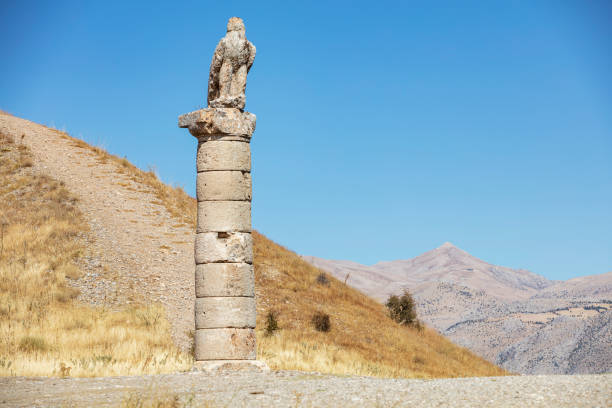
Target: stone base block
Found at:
224, 279
223, 185
223, 247
216, 155
212, 366
225, 344
224, 216
220, 312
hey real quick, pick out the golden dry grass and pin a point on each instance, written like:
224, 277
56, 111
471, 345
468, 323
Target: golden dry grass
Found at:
43, 330
363, 340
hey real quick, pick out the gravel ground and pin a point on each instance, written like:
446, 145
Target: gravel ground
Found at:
298, 389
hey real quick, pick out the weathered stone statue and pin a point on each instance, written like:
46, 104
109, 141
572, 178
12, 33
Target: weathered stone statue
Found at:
224, 278
231, 62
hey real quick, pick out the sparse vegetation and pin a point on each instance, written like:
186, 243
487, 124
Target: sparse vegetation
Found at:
321, 322
84, 341
43, 330
363, 340
176, 201
33, 344
322, 279
402, 309
271, 323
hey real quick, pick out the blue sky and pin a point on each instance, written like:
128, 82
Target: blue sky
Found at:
384, 128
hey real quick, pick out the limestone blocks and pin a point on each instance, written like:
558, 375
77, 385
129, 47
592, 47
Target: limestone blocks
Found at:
218, 344
224, 279
225, 285
224, 216
220, 155
224, 185
222, 247
221, 312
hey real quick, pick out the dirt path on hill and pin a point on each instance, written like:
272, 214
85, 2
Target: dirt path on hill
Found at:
137, 252
295, 389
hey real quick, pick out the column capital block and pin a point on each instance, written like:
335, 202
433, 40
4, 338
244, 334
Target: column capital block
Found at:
219, 124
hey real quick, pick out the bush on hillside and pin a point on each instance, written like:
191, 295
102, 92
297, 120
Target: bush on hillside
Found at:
271, 323
402, 309
31, 344
321, 322
322, 279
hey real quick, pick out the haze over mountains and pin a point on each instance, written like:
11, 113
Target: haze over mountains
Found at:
512, 317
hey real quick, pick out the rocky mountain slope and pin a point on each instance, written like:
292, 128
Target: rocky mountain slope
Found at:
514, 318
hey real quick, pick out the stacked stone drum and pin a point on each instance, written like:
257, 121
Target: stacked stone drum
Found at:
224, 278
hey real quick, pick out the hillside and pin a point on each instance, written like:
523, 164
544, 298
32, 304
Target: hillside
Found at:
514, 318
44, 329
134, 258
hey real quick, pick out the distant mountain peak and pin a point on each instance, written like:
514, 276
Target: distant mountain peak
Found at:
451, 249
447, 245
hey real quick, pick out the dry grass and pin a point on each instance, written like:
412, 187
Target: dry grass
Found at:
363, 340
43, 330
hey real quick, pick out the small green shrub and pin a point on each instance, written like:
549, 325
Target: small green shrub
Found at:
271, 323
66, 294
402, 309
321, 322
149, 317
31, 344
104, 359
322, 279
191, 335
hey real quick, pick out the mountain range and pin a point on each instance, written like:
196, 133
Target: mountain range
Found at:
512, 317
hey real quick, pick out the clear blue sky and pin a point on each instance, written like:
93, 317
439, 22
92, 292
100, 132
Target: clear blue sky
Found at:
384, 129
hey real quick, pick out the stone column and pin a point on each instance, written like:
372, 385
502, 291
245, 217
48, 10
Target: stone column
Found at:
224, 278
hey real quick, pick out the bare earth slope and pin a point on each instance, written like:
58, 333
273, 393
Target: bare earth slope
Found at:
514, 318
129, 259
